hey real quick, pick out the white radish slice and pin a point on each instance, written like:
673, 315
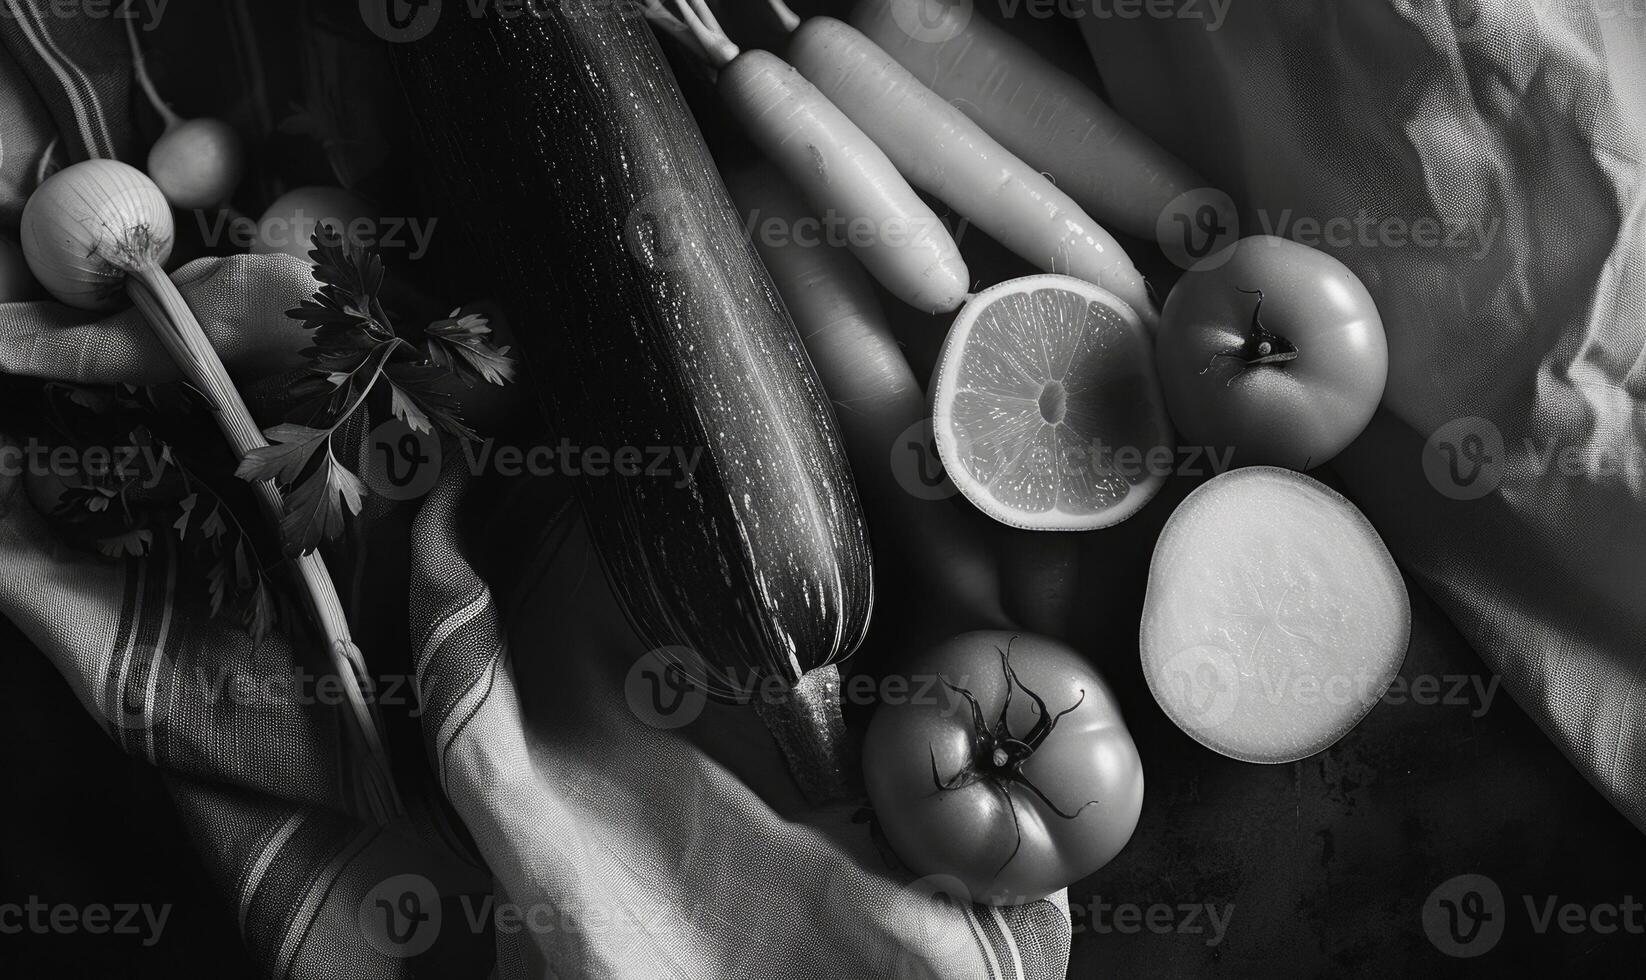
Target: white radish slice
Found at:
1275, 617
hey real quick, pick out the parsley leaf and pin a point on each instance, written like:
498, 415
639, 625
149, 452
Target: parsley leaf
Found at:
314, 509
458, 343
355, 351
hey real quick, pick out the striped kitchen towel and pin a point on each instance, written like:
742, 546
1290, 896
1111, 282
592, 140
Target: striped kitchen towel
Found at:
551, 830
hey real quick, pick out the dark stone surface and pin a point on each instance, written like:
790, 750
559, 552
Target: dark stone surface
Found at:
1323, 867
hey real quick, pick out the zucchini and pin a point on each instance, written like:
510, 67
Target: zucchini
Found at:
593, 207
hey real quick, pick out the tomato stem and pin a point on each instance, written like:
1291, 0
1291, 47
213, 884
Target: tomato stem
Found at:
1261, 345
998, 756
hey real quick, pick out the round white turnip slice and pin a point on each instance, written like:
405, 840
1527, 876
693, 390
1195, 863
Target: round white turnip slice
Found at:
1275, 617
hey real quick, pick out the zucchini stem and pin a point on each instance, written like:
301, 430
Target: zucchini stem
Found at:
811, 730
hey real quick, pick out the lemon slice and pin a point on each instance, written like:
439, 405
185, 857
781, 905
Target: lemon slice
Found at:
1046, 408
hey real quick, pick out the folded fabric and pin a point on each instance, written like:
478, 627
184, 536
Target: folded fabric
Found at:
1479, 165
549, 830
628, 851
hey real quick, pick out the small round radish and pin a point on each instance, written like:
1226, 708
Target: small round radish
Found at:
289, 223
197, 163
1275, 617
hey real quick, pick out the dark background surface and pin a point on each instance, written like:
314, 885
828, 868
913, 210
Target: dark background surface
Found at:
1319, 868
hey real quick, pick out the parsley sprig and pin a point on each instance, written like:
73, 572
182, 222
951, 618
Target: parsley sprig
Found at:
148, 496
357, 354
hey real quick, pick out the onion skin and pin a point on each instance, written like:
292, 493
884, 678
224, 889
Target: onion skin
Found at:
99, 232
75, 255
592, 204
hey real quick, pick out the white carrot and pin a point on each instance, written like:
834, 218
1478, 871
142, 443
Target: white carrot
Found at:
844, 176
1044, 115
946, 154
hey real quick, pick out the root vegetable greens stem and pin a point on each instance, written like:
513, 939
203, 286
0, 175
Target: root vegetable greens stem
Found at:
180, 333
785, 17
140, 68
101, 228
701, 25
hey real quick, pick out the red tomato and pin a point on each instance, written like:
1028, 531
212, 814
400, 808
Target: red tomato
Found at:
1275, 350
1007, 768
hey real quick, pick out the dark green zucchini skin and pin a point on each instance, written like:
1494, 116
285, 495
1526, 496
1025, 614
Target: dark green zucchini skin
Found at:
588, 196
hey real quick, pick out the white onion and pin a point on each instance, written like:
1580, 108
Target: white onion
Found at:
91, 227
99, 232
